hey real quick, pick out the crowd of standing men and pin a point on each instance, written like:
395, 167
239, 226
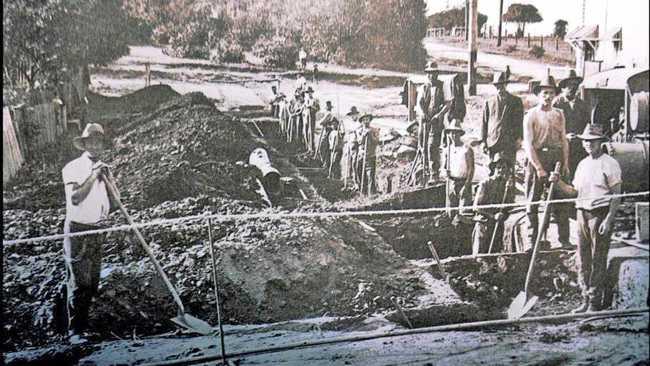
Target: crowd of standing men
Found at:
346, 148
548, 133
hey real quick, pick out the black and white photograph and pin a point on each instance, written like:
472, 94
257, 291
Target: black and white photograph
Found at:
333, 182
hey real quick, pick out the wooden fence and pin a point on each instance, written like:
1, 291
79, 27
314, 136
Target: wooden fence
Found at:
12, 157
27, 129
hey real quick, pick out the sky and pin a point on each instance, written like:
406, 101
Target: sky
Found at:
551, 10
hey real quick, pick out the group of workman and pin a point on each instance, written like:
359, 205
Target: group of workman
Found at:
346, 149
556, 131
90, 186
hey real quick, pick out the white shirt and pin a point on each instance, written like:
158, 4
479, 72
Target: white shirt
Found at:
458, 162
596, 178
96, 205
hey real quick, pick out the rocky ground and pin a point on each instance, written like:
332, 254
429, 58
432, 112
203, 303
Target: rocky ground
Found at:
177, 155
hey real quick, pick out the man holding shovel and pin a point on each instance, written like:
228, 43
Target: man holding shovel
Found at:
545, 143
597, 176
367, 162
496, 189
459, 164
87, 205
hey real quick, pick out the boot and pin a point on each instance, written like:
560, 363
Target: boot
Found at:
586, 301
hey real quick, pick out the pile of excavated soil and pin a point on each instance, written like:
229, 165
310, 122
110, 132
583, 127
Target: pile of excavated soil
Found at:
269, 269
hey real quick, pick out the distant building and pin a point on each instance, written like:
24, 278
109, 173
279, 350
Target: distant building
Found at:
620, 40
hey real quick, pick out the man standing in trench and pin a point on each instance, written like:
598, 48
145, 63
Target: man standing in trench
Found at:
87, 206
545, 143
430, 107
502, 124
576, 116
597, 176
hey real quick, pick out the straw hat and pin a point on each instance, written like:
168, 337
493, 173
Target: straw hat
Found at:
91, 129
593, 132
547, 82
367, 116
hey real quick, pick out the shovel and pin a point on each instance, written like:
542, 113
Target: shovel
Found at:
523, 303
184, 320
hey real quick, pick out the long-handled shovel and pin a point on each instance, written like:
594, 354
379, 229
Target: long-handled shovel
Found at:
523, 303
363, 166
216, 293
509, 185
184, 320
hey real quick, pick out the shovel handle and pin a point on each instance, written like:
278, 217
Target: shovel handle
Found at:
112, 190
540, 234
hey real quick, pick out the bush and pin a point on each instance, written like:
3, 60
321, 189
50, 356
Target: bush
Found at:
512, 48
277, 51
227, 50
536, 51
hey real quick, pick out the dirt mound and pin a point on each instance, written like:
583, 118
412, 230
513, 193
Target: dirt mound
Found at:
141, 101
180, 160
184, 148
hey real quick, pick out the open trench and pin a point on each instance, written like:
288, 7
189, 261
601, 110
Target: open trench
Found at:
483, 286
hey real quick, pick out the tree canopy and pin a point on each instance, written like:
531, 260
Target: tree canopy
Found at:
522, 14
454, 17
42, 40
559, 30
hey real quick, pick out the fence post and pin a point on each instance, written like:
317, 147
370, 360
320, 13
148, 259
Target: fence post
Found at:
541, 41
557, 44
528, 40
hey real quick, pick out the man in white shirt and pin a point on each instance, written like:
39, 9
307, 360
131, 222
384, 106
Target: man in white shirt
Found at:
87, 205
597, 176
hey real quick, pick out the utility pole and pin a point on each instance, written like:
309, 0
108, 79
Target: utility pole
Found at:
500, 22
467, 20
473, 40
584, 11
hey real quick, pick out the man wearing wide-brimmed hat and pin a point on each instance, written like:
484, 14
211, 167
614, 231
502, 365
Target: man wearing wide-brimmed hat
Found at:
545, 143
87, 205
430, 108
495, 189
368, 138
597, 176
502, 124
459, 169
322, 153
576, 115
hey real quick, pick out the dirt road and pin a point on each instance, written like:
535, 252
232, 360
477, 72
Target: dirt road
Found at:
496, 62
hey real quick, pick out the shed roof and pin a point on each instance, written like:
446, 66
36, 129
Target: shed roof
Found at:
612, 79
584, 32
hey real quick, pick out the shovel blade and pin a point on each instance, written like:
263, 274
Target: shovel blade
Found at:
515, 311
193, 324
520, 306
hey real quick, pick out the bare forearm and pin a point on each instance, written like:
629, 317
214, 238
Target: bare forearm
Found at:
614, 204
81, 192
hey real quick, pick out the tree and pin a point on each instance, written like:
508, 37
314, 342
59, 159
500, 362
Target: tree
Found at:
454, 17
43, 40
560, 28
522, 14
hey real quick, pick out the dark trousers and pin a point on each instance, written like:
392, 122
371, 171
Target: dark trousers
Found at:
83, 261
369, 179
534, 189
592, 253
482, 235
